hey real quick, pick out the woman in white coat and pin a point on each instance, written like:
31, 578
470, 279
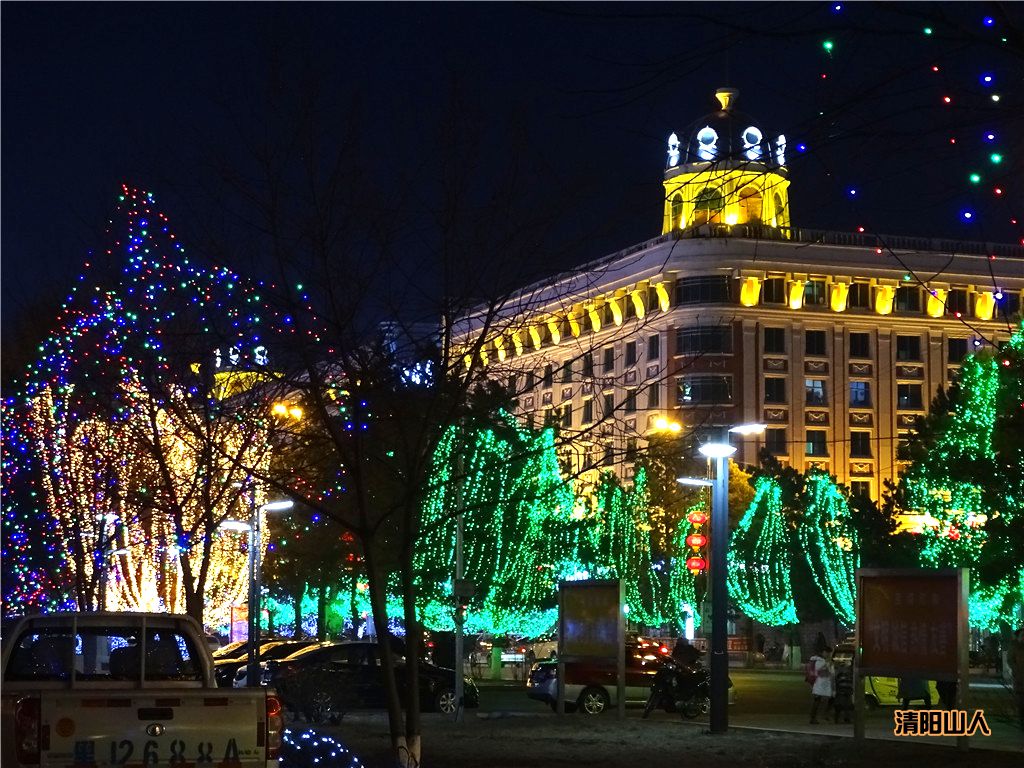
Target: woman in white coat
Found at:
822, 689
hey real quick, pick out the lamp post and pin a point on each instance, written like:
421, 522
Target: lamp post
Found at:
721, 452
718, 570
253, 527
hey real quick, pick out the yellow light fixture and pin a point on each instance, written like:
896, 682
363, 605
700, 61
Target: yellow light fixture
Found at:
884, 297
517, 342
574, 325
499, 346
295, 412
984, 305
616, 310
936, 306
595, 319
535, 336
661, 424
554, 330
731, 219
750, 291
468, 360
279, 409
796, 294
662, 291
638, 304
838, 293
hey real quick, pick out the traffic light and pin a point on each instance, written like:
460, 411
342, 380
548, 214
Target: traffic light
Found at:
464, 591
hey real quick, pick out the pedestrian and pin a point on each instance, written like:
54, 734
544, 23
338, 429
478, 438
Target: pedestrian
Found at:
820, 669
913, 688
843, 677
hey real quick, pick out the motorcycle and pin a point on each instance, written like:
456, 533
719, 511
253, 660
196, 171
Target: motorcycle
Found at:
680, 687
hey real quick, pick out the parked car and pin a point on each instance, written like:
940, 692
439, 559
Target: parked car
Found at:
592, 686
878, 691
226, 667
323, 683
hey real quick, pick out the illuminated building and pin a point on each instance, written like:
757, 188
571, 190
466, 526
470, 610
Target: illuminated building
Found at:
836, 340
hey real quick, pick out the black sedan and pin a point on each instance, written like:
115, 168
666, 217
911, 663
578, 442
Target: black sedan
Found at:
225, 667
324, 682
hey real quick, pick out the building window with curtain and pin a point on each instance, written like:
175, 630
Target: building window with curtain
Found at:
704, 390
817, 442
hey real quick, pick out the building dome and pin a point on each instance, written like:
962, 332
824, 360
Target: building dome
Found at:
726, 138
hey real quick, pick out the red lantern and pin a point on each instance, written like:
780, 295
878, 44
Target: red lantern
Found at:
696, 540
696, 564
697, 517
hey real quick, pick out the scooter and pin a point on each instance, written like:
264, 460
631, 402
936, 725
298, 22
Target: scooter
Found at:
678, 687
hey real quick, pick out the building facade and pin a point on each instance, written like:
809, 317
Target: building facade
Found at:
836, 341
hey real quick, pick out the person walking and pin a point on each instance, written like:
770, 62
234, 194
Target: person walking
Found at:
820, 667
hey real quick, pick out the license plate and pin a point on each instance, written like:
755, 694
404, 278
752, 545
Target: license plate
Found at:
158, 752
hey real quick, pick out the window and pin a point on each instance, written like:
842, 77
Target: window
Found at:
630, 353
860, 488
956, 301
814, 293
750, 205
815, 343
629, 308
708, 206
774, 291
702, 290
860, 445
859, 296
513, 384
549, 375
908, 348
774, 390
698, 390
908, 298
1009, 306
531, 381
908, 396
654, 347
815, 392
677, 211
609, 359
588, 364
860, 394
630, 449
609, 404
816, 442
860, 345
567, 371
956, 350
704, 341
566, 419
775, 341
775, 441
629, 406
588, 411
654, 396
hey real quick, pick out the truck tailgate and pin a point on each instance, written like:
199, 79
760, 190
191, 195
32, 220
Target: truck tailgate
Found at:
166, 728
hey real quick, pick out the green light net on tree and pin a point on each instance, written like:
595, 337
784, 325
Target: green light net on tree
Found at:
759, 559
829, 543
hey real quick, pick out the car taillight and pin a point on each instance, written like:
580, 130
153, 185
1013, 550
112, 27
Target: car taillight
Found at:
28, 730
275, 727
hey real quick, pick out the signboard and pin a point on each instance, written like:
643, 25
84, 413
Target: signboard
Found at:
589, 616
911, 623
239, 628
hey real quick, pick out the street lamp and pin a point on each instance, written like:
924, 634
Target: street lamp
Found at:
721, 452
255, 564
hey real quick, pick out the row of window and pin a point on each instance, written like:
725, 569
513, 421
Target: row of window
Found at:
567, 370
816, 443
712, 389
908, 348
565, 413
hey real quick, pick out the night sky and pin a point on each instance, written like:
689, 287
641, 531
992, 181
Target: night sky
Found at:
96, 94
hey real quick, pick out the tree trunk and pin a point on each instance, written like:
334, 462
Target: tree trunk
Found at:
297, 596
413, 651
321, 613
353, 606
378, 603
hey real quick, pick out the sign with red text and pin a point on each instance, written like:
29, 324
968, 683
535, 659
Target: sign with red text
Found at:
912, 623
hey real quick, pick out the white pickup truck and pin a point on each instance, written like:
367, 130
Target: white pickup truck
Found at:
92, 690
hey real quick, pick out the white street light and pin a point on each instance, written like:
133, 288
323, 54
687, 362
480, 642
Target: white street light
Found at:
749, 429
239, 526
695, 481
717, 450
277, 506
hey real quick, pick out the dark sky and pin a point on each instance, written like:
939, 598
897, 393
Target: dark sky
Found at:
99, 93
